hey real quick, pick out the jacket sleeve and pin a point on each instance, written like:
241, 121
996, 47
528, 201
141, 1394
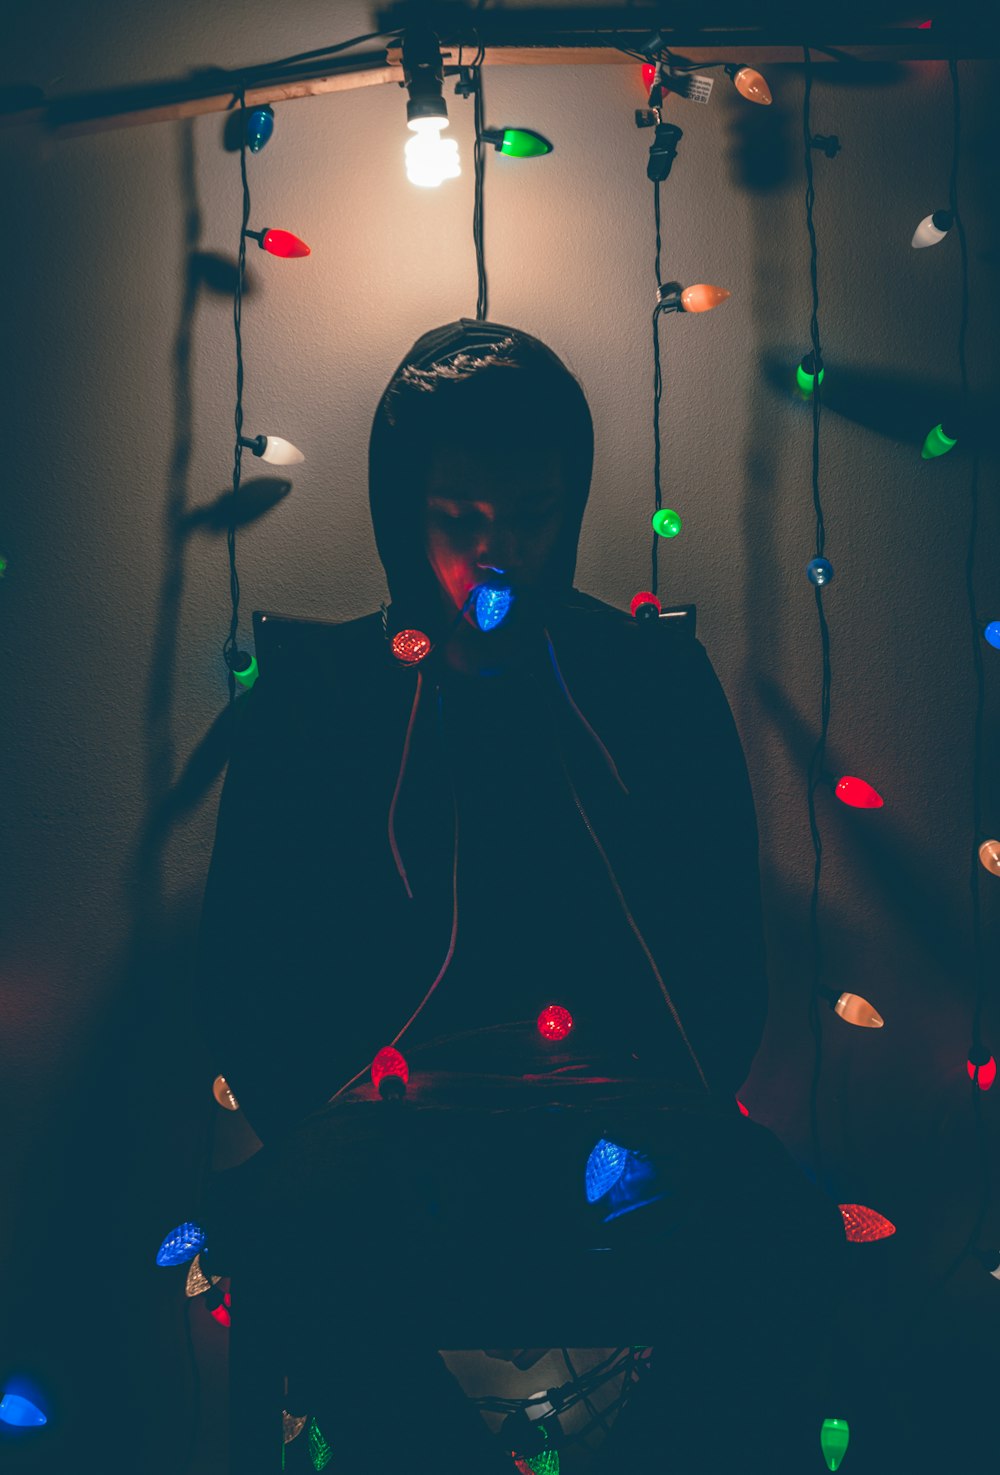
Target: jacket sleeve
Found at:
703, 810
250, 911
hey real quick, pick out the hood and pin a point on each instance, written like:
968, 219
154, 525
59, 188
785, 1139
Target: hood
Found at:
396, 495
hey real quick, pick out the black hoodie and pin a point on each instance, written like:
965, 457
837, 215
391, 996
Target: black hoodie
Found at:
578, 830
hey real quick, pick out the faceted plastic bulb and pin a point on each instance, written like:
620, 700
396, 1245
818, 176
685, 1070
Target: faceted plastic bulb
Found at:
492, 606
863, 1225
702, 297
605, 1165
181, 1244
853, 1009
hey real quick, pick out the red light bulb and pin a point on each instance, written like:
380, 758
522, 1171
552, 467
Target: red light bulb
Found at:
858, 793
219, 1305
410, 646
742, 1108
390, 1073
863, 1225
645, 606
283, 243
984, 1072
555, 1022
648, 75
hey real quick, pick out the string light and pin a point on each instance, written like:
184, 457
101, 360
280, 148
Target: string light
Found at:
701, 297
805, 374
181, 1244
834, 1438
279, 242
410, 646
223, 1094
982, 1067
749, 83
863, 1225
319, 1451
932, 228
991, 634
645, 606
554, 1022
820, 571
390, 1074
665, 522
853, 1009
20, 1412
858, 793
244, 667
273, 449
989, 856
260, 126
198, 1282
516, 143
938, 442
492, 605
605, 1166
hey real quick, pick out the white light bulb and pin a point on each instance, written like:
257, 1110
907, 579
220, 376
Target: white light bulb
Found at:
280, 452
429, 157
932, 228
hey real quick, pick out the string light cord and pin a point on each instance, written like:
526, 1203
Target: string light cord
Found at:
229, 646
594, 1413
478, 107
817, 762
612, 765
399, 784
657, 394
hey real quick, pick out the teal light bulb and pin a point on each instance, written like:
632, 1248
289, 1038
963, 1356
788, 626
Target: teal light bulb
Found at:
666, 522
833, 1438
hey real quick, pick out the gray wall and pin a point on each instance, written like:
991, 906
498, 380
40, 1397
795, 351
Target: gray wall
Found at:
119, 391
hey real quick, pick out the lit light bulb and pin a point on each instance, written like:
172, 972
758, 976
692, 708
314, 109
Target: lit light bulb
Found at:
833, 1439
431, 159
820, 571
219, 1302
648, 75
863, 1225
743, 1110
516, 143
260, 126
853, 1009
492, 605
989, 855
223, 1094
273, 449
605, 1166
319, 1451
666, 522
410, 646
181, 1244
280, 243
932, 228
857, 793
554, 1022
992, 634
243, 666
197, 1282
645, 606
292, 1425
749, 84
938, 442
701, 297
20, 1412
982, 1068
390, 1074
805, 374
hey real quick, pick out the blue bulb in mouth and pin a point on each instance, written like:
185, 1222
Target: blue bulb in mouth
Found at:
492, 605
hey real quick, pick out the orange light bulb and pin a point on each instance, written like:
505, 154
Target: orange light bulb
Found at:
751, 85
702, 297
853, 1009
222, 1091
989, 854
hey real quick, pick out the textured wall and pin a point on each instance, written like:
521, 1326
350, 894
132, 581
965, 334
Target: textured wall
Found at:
119, 390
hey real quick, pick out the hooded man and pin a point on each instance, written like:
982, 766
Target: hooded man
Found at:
551, 813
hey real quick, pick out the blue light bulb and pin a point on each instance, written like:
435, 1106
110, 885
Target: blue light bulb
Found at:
181, 1244
992, 633
605, 1165
260, 126
820, 571
20, 1411
492, 606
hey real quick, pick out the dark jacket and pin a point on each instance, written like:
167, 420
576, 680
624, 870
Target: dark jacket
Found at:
312, 955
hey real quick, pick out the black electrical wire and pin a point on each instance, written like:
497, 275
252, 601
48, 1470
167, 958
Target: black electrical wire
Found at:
657, 395
477, 213
817, 763
594, 1413
229, 646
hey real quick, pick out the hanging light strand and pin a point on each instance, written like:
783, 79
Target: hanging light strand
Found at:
230, 645
479, 156
654, 585
817, 762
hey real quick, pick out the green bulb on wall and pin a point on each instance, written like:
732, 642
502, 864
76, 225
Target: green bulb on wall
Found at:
666, 522
516, 143
805, 374
938, 443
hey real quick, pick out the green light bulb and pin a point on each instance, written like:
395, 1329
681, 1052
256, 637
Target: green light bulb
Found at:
249, 675
938, 443
522, 143
666, 523
833, 1438
805, 374
319, 1451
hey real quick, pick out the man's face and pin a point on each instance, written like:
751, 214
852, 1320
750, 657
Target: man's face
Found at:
498, 512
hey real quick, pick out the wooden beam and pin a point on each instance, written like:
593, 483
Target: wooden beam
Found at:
217, 91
